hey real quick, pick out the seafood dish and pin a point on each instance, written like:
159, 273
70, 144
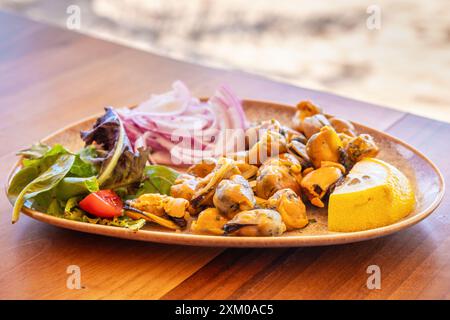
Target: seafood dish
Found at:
199, 166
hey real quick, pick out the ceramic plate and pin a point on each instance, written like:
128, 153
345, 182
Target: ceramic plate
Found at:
424, 175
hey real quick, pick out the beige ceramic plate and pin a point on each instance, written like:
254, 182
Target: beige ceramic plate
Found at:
426, 178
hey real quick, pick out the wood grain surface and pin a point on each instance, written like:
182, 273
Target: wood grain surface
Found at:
51, 77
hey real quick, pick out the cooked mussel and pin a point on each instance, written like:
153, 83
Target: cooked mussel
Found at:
202, 168
271, 143
184, 186
298, 149
162, 209
345, 138
324, 146
247, 170
291, 208
317, 183
254, 223
206, 187
149, 202
313, 124
292, 135
233, 195
362, 146
175, 207
255, 132
342, 126
209, 221
305, 109
278, 173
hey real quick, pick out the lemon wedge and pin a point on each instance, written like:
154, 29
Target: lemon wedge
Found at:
374, 194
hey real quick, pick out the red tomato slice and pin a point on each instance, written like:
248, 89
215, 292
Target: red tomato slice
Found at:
103, 204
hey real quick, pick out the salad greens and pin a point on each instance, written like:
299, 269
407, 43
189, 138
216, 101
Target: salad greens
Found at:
157, 179
82, 167
45, 181
54, 180
72, 212
74, 186
120, 165
35, 151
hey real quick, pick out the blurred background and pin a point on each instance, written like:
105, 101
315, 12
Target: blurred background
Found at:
325, 45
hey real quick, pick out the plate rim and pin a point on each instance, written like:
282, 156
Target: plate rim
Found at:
179, 238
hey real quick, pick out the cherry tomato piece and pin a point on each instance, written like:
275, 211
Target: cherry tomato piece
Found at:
102, 204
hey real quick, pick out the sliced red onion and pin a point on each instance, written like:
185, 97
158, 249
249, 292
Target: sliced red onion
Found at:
173, 102
181, 129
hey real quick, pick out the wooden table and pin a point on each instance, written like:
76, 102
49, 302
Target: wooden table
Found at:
51, 77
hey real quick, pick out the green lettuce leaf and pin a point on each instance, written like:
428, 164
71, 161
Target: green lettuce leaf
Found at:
40, 202
35, 151
74, 186
157, 179
55, 208
47, 159
45, 181
42, 156
82, 167
89, 154
123, 222
71, 204
71, 210
36, 161
20, 180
